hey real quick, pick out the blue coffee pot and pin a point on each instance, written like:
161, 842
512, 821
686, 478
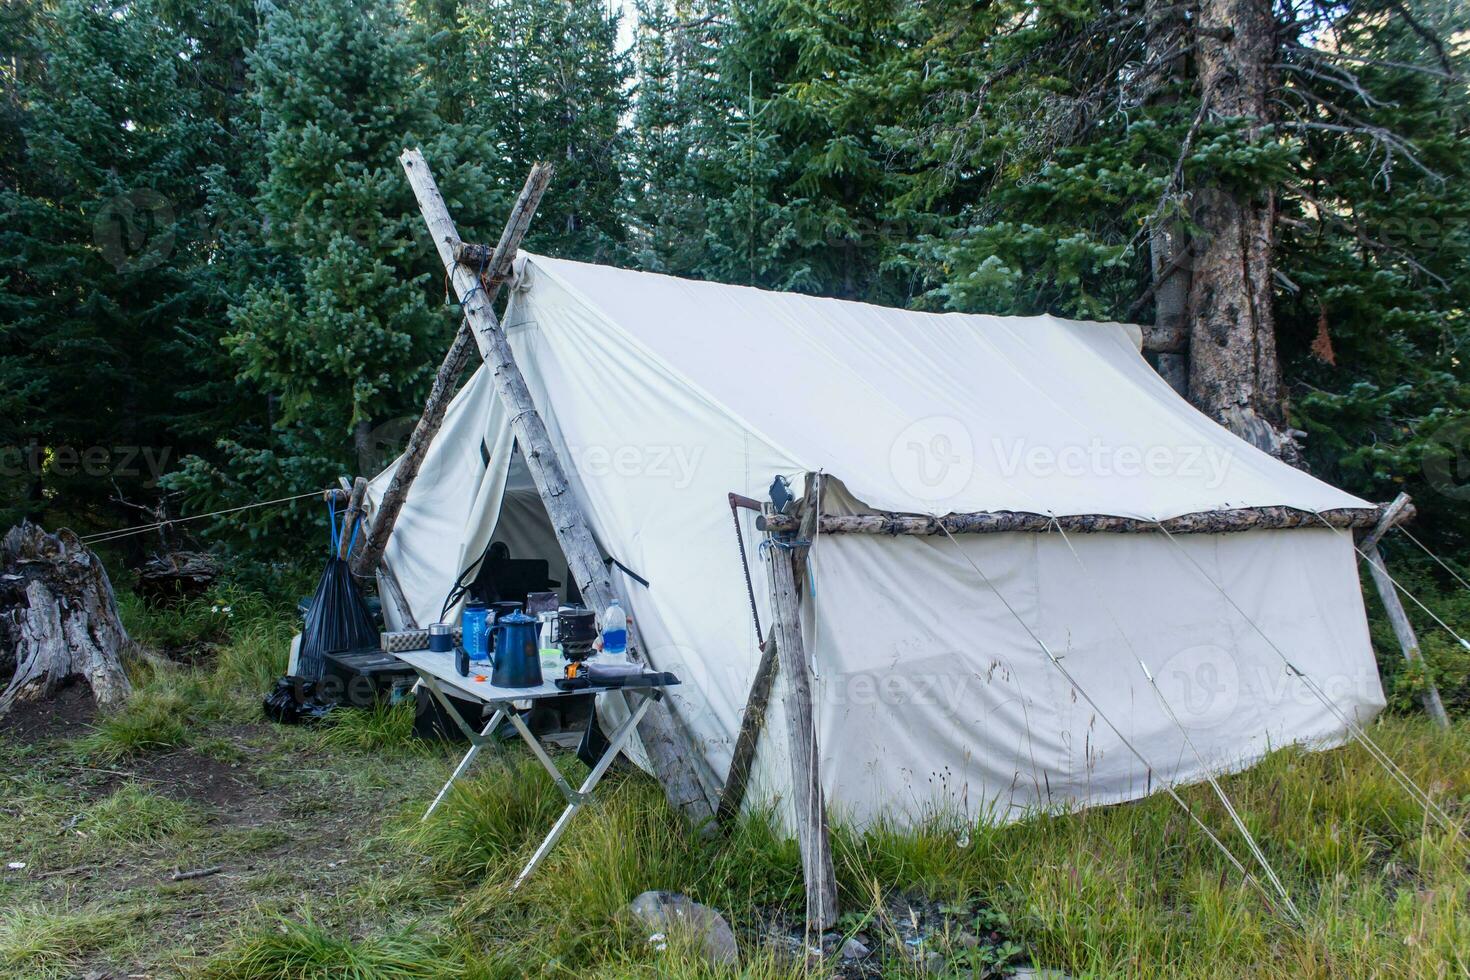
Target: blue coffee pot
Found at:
517, 656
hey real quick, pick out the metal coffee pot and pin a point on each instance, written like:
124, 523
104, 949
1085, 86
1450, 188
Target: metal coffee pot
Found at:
517, 653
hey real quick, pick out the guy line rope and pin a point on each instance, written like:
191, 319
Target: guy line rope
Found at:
1402, 778
1168, 787
103, 536
1210, 775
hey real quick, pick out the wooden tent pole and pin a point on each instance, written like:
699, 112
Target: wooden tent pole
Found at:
998, 522
354, 510
496, 268
784, 557
737, 777
663, 740
1397, 617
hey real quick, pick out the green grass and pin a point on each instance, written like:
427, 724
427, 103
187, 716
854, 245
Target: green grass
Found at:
345, 880
290, 950
154, 720
382, 727
135, 815
36, 941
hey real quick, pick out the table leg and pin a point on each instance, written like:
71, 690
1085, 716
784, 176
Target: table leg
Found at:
582, 795
469, 757
444, 702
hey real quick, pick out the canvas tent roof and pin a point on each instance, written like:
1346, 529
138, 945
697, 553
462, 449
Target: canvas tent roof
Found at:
1026, 403
662, 395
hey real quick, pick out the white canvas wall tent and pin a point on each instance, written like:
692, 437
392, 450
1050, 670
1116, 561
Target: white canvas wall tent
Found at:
933, 696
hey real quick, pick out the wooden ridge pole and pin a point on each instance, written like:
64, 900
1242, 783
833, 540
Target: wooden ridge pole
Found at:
667, 748
1001, 521
496, 269
1397, 617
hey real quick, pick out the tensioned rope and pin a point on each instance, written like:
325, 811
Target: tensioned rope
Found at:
1382, 757
1415, 600
1250, 841
1055, 662
104, 536
1425, 548
1402, 588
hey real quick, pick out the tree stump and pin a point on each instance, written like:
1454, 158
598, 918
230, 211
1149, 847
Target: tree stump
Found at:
58, 618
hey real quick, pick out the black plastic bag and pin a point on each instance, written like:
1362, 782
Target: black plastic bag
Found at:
294, 701
339, 618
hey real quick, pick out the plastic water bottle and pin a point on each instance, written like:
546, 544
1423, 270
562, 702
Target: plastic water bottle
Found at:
615, 630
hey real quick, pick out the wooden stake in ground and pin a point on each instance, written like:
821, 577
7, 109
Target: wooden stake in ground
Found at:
59, 615
496, 268
1397, 617
667, 747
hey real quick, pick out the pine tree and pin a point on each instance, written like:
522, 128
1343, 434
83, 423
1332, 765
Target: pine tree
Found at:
100, 250
546, 81
1376, 248
339, 327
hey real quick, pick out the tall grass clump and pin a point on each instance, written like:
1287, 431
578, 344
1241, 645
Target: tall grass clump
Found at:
306, 951
488, 820
38, 942
132, 814
379, 727
154, 719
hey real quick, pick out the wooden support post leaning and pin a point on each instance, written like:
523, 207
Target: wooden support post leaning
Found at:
1397, 617
751, 724
665, 744
806, 777
390, 584
496, 267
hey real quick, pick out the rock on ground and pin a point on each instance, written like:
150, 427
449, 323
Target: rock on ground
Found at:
670, 912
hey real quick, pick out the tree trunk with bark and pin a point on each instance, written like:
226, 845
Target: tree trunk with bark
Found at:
1234, 373
58, 618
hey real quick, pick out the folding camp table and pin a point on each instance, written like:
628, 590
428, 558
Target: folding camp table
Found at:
437, 672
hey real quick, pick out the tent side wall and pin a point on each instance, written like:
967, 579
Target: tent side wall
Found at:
935, 703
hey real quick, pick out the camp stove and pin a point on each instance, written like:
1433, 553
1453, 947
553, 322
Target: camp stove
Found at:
577, 631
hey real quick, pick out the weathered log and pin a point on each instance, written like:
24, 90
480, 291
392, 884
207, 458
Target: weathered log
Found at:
1403, 630
496, 266
351, 515
996, 522
1397, 511
805, 754
58, 613
1164, 339
389, 586
667, 747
